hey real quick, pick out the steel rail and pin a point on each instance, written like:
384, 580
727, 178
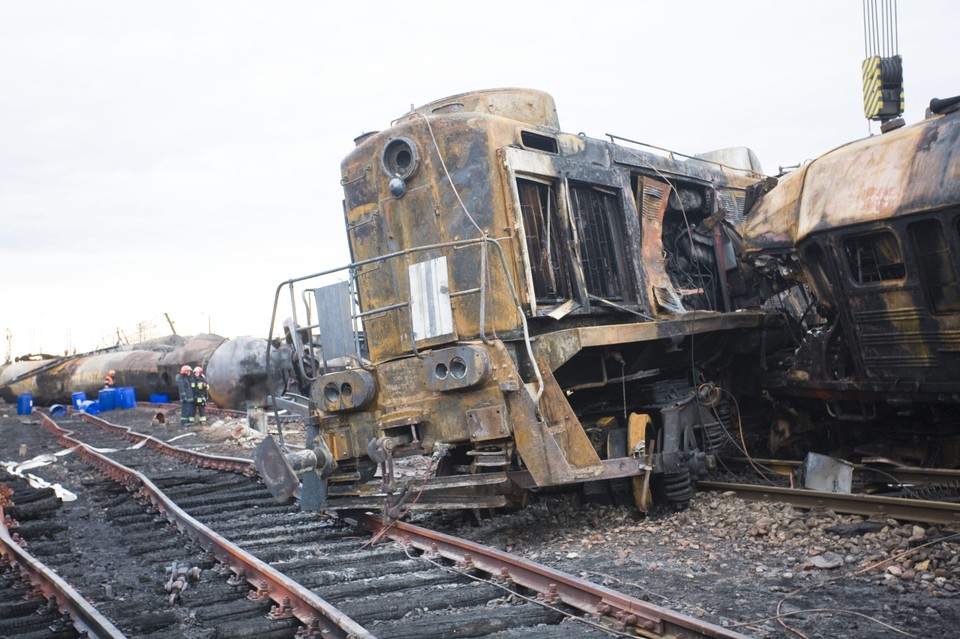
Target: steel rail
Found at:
624, 612
903, 474
202, 460
84, 617
292, 599
919, 510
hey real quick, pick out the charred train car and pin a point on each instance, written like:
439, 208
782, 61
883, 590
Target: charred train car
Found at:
864, 244
235, 369
525, 308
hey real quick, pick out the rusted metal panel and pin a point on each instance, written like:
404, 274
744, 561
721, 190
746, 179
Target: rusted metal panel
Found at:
772, 224
652, 200
910, 169
521, 105
431, 211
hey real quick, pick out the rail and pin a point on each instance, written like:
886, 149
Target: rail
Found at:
201, 460
900, 474
931, 512
84, 617
292, 599
627, 613
614, 608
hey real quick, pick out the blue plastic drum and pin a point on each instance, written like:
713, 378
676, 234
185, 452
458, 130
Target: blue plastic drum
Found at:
76, 398
107, 398
126, 397
90, 407
25, 404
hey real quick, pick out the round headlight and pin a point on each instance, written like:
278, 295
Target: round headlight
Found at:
458, 367
400, 158
331, 393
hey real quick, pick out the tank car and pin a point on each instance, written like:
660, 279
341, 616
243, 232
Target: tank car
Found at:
864, 244
524, 308
235, 369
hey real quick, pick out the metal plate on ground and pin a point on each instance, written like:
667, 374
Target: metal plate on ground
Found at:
274, 469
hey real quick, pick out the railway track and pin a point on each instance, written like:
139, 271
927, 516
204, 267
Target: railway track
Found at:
919, 510
916, 482
292, 573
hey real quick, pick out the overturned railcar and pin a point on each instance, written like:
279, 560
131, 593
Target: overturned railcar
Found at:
864, 244
235, 369
525, 308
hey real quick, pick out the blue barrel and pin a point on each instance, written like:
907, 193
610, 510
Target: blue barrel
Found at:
107, 398
126, 397
58, 410
90, 407
25, 404
76, 398
160, 399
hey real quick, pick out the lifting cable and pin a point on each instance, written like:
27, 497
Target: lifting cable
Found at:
880, 37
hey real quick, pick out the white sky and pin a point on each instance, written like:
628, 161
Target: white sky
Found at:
183, 157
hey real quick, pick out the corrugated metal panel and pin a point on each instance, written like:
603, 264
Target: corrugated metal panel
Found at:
431, 315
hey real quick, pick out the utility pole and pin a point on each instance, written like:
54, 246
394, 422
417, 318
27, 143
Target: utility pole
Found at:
9, 347
170, 322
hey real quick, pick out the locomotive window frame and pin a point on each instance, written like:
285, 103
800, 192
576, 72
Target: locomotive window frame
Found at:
545, 224
599, 237
936, 267
874, 258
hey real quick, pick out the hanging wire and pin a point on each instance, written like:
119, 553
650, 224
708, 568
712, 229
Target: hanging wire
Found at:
880, 35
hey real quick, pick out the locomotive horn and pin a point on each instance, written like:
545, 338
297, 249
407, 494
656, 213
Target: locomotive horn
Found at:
938, 105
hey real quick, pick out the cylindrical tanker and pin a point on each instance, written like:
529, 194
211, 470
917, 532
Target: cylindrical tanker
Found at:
195, 352
15, 378
237, 373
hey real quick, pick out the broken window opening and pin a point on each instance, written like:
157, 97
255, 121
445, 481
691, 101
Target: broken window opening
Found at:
691, 259
874, 257
816, 262
938, 275
597, 216
544, 237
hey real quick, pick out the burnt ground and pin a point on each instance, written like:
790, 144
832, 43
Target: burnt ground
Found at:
727, 561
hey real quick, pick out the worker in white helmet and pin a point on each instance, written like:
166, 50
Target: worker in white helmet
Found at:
201, 391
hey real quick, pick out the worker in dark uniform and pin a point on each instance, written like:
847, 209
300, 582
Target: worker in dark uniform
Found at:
201, 391
108, 380
185, 387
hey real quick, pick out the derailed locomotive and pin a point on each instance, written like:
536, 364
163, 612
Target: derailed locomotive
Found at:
524, 308
863, 244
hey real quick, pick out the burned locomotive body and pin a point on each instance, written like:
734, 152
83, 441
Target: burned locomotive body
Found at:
537, 308
865, 241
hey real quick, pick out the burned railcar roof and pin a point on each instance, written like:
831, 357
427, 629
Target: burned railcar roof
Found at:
910, 169
527, 119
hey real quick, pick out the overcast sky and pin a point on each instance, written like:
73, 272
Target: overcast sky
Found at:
183, 157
